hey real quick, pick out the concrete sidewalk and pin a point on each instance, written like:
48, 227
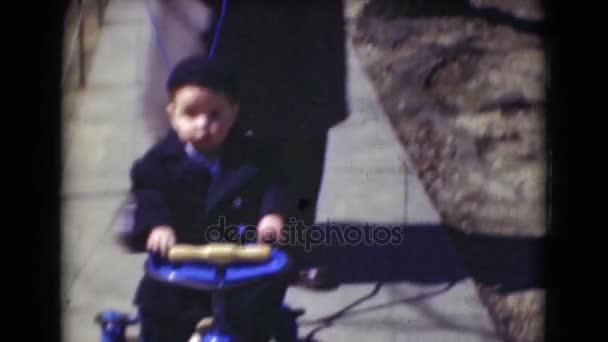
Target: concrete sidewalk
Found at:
367, 178
101, 141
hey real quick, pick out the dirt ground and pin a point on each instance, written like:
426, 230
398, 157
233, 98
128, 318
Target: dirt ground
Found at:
466, 98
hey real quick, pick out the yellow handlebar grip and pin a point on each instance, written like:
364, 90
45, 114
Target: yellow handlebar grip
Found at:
201, 327
220, 253
204, 324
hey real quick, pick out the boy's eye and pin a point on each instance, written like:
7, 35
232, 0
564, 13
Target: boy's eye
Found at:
215, 114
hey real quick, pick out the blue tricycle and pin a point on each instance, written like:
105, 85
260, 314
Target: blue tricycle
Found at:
215, 267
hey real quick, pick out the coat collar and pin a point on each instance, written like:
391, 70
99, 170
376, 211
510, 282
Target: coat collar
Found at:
236, 170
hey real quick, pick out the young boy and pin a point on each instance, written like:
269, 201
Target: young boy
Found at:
205, 174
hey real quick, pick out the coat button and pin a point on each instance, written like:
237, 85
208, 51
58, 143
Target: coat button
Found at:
242, 228
238, 202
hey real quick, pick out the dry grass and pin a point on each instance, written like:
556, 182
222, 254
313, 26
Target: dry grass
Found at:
517, 316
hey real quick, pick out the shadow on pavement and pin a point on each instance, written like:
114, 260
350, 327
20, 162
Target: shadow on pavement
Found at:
510, 262
428, 254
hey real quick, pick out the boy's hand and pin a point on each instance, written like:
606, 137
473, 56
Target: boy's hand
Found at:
269, 228
161, 239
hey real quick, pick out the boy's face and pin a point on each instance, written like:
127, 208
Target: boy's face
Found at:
201, 116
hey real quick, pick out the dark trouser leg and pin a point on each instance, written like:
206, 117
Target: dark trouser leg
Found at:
253, 311
163, 328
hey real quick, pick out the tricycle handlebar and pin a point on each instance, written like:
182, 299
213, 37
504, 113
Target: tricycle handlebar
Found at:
220, 253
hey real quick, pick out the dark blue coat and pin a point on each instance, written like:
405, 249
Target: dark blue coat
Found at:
171, 189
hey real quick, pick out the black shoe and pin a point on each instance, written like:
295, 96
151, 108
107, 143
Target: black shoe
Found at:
316, 278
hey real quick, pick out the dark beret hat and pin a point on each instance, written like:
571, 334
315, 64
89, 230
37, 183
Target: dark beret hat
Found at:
214, 73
